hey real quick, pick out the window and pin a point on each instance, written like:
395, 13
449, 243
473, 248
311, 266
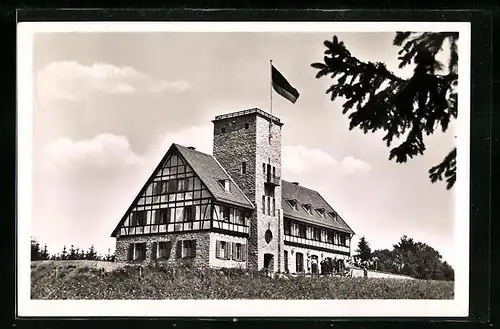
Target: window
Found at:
288, 226
321, 212
334, 216
323, 235
329, 236
243, 167
172, 185
302, 231
225, 184
139, 218
162, 216
316, 235
181, 185
237, 251
264, 168
224, 213
293, 204
222, 250
309, 234
264, 204
189, 213
274, 171
307, 207
223, 130
139, 251
160, 187
299, 262
164, 249
285, 259
343, 240
186, 249
240, 217
268, 236
246, 125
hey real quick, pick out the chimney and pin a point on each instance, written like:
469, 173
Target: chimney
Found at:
191, 147
295, 183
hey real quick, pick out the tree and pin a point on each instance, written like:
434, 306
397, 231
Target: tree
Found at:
109, 257
44, 253
35, 249
415, 259
72, 253
91, 253
403, 108
364, 251
64, 254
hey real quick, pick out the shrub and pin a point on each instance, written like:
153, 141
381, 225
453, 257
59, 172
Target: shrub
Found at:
160, 281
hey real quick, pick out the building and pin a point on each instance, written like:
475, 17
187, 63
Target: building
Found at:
231, 209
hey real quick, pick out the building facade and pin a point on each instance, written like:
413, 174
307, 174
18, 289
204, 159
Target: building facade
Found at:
231, 209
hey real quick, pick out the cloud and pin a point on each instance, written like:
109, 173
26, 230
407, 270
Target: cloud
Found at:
73, 81
108, 150
103, 150
299, 159
350, 165
199, 137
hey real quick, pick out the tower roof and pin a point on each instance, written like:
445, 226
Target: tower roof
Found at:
253, 111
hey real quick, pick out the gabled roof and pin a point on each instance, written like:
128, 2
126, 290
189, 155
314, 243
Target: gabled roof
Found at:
210, 173
305, 196
208, 170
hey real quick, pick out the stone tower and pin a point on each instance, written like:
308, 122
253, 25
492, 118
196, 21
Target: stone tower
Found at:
248, 145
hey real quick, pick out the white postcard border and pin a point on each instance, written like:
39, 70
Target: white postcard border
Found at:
457, 307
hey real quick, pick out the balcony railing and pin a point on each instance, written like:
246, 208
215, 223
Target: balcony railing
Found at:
314, 243
244, 112
273, 179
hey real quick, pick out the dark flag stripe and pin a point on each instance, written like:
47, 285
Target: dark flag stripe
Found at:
283, 87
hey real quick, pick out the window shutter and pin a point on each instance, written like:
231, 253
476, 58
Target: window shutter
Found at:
154, 249
130, 251
217, 249
193, 250
243, 252
228, 251
233, 248
179, 249
169, 249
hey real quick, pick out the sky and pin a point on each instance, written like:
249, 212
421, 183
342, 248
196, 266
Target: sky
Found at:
109, 105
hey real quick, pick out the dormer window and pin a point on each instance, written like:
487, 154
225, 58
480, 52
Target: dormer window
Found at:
307, 207
333, 215
225, 184
321, 212
293, 204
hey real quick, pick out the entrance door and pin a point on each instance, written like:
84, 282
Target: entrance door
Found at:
314, 264
269, 262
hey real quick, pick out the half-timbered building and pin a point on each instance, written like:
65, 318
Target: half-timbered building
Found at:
231, 209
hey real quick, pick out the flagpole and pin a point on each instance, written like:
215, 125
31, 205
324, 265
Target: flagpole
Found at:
271, 85
271, 96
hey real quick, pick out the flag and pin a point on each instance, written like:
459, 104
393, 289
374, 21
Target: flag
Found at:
282, 86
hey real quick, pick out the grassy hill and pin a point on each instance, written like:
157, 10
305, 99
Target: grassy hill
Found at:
104, 280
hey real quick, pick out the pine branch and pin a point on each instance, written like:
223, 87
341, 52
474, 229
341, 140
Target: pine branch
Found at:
377, 99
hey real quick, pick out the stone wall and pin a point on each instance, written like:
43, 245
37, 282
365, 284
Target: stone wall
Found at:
231, 148
202, 247
268, 151
292, 257
246, 138
216, 262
